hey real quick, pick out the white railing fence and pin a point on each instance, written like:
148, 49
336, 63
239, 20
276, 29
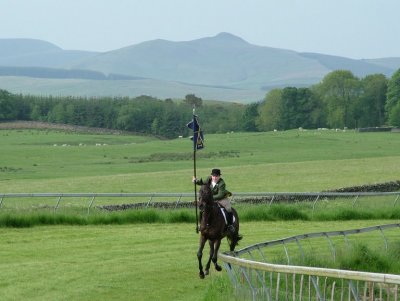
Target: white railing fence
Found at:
119, 201
255, 278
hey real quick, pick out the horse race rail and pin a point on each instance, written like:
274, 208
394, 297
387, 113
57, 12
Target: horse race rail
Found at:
254, 278
92, 196
180, 200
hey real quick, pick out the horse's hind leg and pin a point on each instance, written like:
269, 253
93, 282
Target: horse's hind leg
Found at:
217, 244
212, 252
235, 237
232, 242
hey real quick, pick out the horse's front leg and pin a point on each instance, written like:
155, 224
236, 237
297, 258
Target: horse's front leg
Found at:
200, 255
207, 270
217, 244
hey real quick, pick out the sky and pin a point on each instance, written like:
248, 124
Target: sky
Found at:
358, 29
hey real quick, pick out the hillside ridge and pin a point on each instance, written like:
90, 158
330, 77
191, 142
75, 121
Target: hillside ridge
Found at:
206, 66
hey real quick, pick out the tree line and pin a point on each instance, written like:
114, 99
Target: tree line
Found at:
143, 115
340, 100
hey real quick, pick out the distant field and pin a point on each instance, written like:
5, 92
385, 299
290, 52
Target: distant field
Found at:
61, 161
133, 88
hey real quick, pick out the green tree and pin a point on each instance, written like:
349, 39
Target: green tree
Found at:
172, 121
290, 108
393, 99
309, 110
339, 90
57, 114
394, 115
155, 127
271, 112
7, 106
249, 118
193, 100
370, 110
39, 107
36, 113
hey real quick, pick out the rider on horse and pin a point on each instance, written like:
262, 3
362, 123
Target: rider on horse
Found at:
220, 194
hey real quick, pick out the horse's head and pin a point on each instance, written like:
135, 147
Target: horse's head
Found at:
205, 196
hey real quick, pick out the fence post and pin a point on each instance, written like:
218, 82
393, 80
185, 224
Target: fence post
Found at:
91, 203
286, 252
384, 237
273, 197
331, 245
355, 200
314, 203
178, 201
150, 199
395, 201
58, 202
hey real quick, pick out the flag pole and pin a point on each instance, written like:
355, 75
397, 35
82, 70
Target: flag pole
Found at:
195, 176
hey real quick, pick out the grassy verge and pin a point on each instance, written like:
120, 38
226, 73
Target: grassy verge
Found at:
247, 213
368, 252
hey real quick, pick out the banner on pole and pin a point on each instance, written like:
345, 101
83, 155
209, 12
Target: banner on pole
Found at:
198, 137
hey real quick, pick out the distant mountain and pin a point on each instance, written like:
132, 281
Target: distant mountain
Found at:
37, 53
54, 73
359, 68
389, 62
223, 60
223, 67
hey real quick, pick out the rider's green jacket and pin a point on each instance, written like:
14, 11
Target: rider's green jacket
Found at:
219, 190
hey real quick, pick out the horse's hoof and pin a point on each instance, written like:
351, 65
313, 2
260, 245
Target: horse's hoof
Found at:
218, 268
201, 275
207, 272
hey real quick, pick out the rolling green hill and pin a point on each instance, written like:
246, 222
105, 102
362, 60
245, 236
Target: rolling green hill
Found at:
223, 67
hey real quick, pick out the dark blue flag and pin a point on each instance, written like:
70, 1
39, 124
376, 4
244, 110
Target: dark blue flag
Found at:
198, 138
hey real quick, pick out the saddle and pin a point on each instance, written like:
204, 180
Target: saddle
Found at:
224, 213
222, 209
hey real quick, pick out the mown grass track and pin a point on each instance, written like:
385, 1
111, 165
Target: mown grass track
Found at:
124, 262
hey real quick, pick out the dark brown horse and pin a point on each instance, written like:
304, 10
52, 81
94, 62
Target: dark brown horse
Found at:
215, 230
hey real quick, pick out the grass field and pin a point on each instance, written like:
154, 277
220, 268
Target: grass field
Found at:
36, 161
128, 262
157, 261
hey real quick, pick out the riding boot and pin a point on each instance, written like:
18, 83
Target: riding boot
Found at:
229, 220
